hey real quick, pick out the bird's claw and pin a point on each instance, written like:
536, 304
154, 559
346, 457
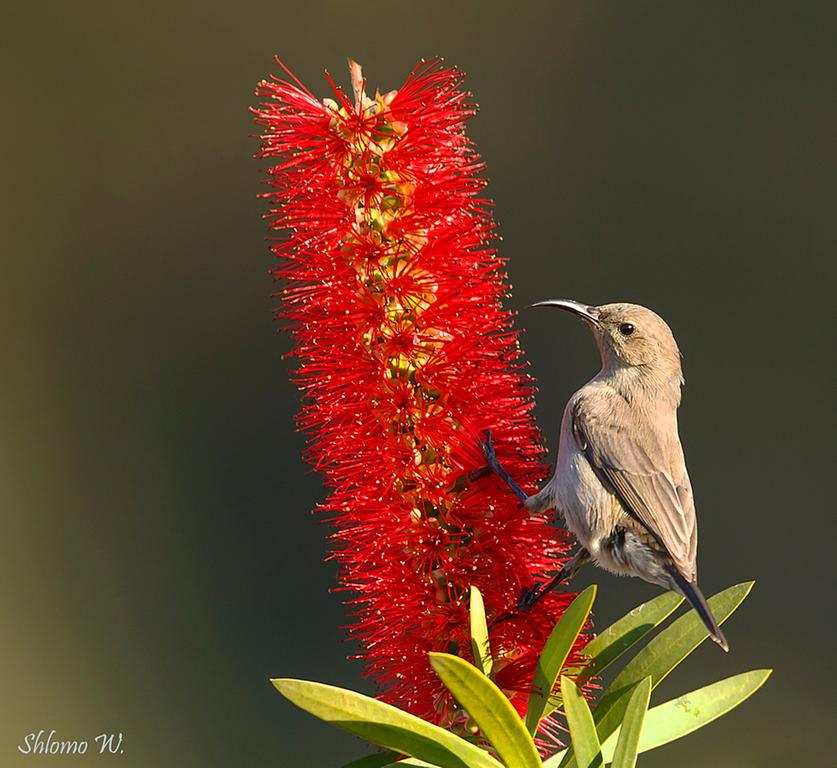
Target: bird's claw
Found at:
528, 598
487, 446
479, 473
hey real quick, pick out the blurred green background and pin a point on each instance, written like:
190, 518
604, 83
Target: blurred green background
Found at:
159, 558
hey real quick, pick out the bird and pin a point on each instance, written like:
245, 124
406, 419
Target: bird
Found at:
620, 479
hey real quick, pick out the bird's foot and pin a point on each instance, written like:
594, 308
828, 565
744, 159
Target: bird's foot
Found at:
487, 446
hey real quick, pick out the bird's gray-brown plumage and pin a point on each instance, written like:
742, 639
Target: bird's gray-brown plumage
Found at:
620, 480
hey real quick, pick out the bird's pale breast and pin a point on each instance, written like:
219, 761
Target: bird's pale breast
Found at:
577, 493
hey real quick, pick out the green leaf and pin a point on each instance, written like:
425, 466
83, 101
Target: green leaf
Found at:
628, 744
378, 760
410, 762
582, 728
479, 634
489, 708
554, 654
384, 725
620, 636
681, 716
685, 714
662, 654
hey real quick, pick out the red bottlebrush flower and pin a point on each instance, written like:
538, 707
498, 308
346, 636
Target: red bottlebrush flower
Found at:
406, 356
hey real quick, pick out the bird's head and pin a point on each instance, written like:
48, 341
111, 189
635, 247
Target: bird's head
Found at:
629, 337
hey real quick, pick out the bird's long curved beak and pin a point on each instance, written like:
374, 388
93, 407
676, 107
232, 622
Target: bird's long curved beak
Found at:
584, 311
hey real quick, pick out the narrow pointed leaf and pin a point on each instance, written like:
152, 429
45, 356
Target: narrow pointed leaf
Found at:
627, 745
410, 762
662, 654
620, 636
384, 725
479, 634
489, 708
582, 728
554, 654
685, 714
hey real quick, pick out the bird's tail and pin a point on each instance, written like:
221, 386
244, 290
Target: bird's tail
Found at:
691, 591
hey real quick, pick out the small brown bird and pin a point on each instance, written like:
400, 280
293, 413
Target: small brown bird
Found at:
620, 480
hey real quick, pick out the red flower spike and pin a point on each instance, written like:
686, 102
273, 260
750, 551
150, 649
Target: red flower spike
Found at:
406, 356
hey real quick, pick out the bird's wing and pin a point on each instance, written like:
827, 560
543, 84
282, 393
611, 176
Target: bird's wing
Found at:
632, 463
687, 503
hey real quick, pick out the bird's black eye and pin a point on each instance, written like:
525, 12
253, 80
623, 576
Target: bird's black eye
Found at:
626, 329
